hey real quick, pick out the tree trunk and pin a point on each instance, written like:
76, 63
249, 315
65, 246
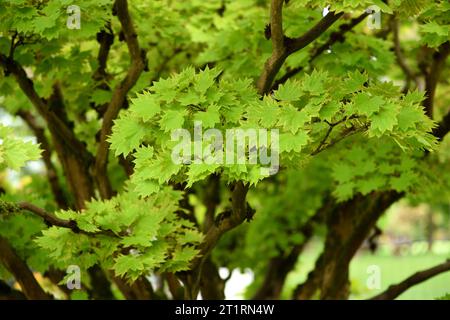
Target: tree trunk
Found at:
348, 225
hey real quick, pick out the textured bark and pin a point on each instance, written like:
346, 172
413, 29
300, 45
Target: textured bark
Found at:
23, 275
348, 225
141, 289
212, 286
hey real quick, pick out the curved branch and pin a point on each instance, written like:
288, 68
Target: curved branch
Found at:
119, 96
399, 55
283, 46
57, 125
337, 36
228, 220
433, 75
299, 43
50, 219
52, 175
23, 275
395, 290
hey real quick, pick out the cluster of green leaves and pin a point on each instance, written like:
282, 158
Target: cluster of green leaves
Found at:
174, 103
347, 5
435, 27
379, 165
230, 41
301, 110
127, 234
14, 151
47, 19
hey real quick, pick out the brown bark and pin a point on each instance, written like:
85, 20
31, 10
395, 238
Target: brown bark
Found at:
432, 76
119, 96
212, 286
282, 46
347, 227
52, 176
141, 289
18, 268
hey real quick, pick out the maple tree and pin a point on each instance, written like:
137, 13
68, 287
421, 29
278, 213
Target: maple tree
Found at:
361, 115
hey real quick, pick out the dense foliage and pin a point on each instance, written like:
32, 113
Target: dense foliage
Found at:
357, 115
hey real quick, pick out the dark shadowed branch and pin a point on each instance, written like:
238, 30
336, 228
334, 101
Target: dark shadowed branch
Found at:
337, 36
119, 95
283, 46
18, 268
52, 175
432, 76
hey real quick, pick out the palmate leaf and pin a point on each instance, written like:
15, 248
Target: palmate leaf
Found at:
159, 238
145, 106
289, 91
130, 133
15, 152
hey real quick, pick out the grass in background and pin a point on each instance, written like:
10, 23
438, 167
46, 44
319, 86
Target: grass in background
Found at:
393, 270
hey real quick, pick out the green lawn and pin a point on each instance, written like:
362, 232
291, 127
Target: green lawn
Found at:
392, 270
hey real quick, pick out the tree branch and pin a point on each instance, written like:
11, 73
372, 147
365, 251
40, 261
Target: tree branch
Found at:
229, 219
283, 46
17, 267
395, 290
52, 175
119, 96
432, 76
55, 123
211, 200
399, 55
338, 36
299, 43
105, 38
50, 219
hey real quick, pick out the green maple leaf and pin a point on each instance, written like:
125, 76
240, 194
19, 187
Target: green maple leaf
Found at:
409, 116
127, 135
145, 106
172, 120
404, 182
384, 120
344, 191
209, 117
292, 119
434, 27
343, 172
146, 187
199, 171
367, 105
205, 79
370, 184
314, 83
355, 81
290, 142
328, 111
101, 96
289, 91
127, 263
